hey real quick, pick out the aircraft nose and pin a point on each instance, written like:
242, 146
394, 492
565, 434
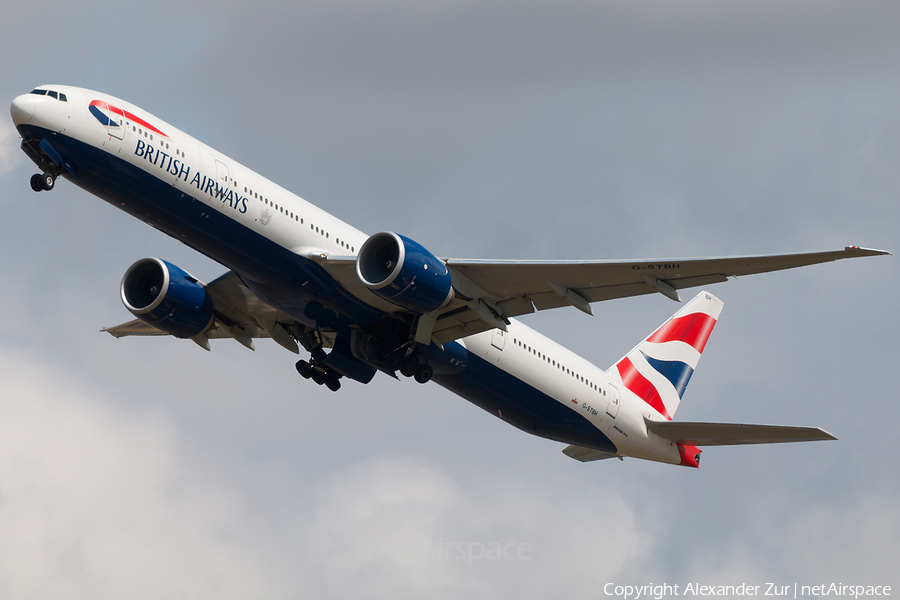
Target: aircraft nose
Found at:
22, 109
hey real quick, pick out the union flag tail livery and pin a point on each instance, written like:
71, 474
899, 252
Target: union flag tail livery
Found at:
659, 369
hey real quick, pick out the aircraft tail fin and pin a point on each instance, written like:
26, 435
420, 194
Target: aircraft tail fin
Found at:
659, 368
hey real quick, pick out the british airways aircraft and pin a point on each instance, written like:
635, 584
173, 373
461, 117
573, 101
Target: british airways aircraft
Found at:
359, 304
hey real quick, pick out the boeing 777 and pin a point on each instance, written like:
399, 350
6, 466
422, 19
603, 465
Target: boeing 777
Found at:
359, 304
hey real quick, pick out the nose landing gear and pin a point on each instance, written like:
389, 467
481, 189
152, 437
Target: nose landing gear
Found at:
42, 183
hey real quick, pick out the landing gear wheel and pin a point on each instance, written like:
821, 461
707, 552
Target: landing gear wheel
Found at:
304, 369
333, 384
409, 366
48, 181
424, 373
396, 362
37, 182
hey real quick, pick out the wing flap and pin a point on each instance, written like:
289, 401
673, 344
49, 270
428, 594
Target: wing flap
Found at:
733, 434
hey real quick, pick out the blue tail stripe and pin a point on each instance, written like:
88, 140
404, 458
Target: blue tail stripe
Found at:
677, 372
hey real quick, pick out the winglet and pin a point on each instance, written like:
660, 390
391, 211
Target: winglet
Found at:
860, 251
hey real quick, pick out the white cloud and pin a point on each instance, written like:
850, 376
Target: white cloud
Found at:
9, 147
408, 530
93, 503
377, 526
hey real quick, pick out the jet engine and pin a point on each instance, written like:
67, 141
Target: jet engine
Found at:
166, 297
404, 273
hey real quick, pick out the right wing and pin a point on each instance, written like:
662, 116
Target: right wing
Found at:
490, 292
506, 289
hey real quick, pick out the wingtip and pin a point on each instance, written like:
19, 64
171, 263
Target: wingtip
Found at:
861, 251
827, 437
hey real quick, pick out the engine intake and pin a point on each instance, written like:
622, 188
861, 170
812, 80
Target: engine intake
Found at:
404, 273
166, 297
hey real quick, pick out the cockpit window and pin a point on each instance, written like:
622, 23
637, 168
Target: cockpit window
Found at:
59, 96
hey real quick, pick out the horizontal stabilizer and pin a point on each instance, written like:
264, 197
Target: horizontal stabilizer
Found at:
733, 434
586, 454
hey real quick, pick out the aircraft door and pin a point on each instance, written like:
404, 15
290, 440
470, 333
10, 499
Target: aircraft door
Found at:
612, 408
222, 176
498, 339
116, 126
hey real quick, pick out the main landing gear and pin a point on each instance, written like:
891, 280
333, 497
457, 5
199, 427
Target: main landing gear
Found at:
42, 183
315, 370
413, 366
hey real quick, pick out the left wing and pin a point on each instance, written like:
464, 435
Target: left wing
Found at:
489, 292
239, 314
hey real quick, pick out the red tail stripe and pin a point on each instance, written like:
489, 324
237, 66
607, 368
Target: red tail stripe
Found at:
693, 329
640, 386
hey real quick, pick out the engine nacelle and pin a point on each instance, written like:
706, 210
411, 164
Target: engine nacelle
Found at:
162, 295
404, 273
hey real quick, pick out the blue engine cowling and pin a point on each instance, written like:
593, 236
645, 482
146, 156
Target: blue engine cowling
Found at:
404, 273
166, 297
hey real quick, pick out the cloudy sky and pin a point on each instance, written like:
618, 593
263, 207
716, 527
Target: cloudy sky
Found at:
148, 468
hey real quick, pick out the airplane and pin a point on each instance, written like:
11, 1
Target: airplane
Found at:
358, 304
